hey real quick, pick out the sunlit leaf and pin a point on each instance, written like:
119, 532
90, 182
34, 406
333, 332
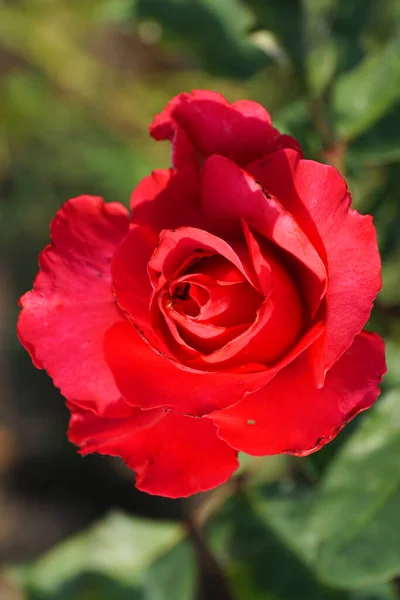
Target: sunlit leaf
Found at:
380, 144
363, 95
357, 512
118, 556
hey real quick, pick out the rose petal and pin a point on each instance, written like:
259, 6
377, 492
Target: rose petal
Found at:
149, 380
224, 305
167, 199
172, 455
278, 322
241, 131
318, 197
230, 195
229, 308
132, 286
290, 415
205, 337
182, 389
64, 317
261, 265
178, 253
184, 153
219, 269
178, 248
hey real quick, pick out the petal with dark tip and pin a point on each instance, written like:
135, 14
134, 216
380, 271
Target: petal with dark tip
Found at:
290, 415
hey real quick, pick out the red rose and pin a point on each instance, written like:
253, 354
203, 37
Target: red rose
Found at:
226, 314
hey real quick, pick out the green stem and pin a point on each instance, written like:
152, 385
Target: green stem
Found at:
396, 586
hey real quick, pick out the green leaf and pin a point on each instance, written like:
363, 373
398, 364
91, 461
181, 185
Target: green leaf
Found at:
356, 520
295, 119
259, 564
347, 531
285, 18
225, 48
357, 512
321, 49
380, 144
173, 576
303, 27
361, 26
363, 95
321, 64
384, 591
122, 556
88, 587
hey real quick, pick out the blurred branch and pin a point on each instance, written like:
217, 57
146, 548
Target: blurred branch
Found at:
205, 510
214, 583
196, 517
318, 114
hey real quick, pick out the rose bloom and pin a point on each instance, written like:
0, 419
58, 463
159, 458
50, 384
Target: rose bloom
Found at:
224, 314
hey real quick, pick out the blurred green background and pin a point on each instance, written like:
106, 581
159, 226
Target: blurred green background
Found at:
80, 82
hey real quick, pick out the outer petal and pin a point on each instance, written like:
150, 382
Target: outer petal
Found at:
241, 131
149, 380
290, 415
230, 195
172, 455
167, 199
64, 317
317, 196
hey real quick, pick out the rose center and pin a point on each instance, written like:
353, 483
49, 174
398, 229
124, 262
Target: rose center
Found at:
210, 304
185, 300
